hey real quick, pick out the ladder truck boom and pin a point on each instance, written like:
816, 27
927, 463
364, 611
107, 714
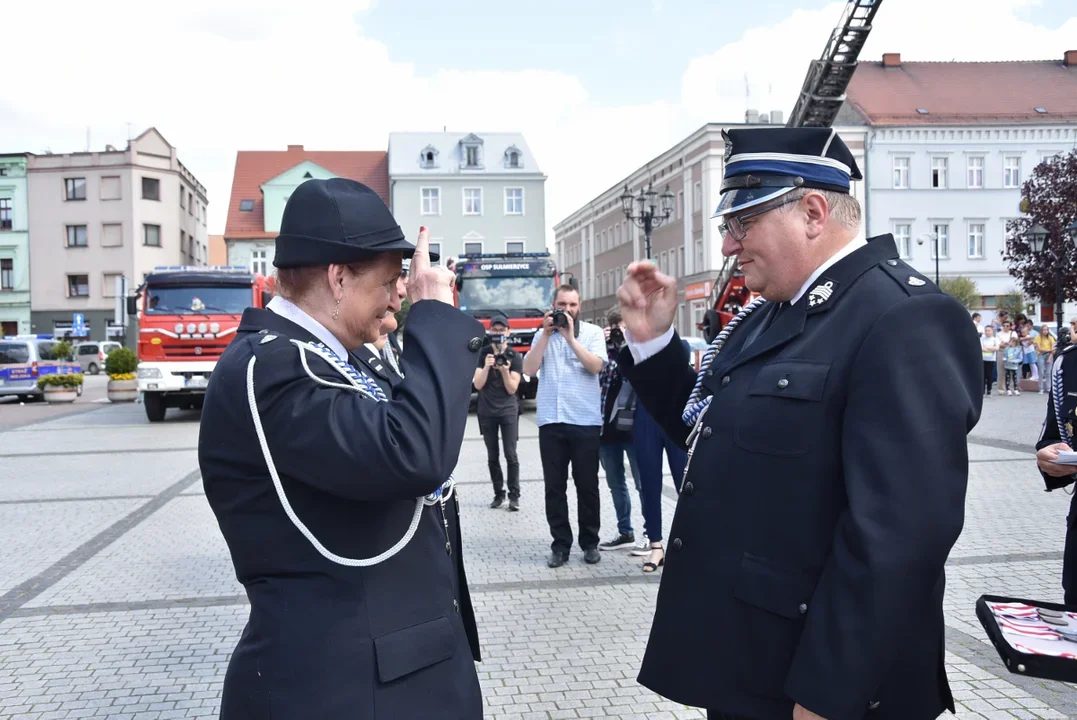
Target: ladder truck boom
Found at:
828, 77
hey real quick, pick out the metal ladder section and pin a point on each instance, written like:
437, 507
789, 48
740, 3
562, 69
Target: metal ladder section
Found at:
828, 78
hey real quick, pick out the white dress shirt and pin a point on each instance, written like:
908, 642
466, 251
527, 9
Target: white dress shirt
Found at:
642, 351
291, 311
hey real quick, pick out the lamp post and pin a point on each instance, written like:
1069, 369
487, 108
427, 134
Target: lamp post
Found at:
1037, 240
651, 213
931, 236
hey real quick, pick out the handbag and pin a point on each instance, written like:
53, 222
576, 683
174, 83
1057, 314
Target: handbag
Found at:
624, 417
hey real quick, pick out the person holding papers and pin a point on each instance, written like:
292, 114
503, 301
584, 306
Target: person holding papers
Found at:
828, 456
1055, 443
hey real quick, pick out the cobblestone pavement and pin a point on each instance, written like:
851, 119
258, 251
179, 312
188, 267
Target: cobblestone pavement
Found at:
118, 599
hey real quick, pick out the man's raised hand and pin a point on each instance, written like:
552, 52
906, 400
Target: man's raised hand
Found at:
648, 301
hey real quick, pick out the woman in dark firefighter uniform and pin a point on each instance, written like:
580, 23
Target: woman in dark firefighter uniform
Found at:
334, 494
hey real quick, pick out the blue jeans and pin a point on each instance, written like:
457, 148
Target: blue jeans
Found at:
1044, 369
650, 441
613, 462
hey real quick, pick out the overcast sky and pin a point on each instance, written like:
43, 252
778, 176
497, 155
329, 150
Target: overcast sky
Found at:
598, 87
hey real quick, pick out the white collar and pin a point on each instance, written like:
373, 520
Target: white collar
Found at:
853, 245
291, 311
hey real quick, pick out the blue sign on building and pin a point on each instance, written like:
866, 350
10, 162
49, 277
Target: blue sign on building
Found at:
78, 325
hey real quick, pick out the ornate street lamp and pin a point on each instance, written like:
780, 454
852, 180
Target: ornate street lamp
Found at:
652, 211
1037, 240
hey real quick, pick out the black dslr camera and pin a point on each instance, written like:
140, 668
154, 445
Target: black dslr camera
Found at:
617, 336
500, 359
560, 318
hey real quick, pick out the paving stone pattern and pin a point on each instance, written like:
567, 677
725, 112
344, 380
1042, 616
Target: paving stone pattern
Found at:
140, 618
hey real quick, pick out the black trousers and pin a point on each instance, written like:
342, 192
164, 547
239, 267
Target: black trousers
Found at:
715, 715
559, 445
509, 427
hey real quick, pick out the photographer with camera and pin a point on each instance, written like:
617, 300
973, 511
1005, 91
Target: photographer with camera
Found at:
496, 379
618, 417
570, 355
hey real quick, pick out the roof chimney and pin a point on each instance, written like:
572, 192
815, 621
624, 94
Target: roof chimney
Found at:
1069, 59
764, 118
776, 117
751, 116
891, 59
297, 148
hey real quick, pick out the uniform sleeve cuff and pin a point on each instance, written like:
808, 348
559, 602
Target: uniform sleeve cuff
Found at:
642, 351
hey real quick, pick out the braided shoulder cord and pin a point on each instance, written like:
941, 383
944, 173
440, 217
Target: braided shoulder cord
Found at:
695, 406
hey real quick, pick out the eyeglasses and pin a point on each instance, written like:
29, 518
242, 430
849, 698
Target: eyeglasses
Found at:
735, 224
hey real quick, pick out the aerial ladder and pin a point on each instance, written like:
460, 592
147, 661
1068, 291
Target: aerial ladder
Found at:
820, 99
828, 77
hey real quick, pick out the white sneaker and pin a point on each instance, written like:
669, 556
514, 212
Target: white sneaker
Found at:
642, 548
1009, 392
1016, 392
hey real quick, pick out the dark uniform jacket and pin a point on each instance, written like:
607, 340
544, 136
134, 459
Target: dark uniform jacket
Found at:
325, 640
374, 366
827, 486
1067, 404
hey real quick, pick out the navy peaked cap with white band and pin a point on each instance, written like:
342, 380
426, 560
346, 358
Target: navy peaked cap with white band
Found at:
764, 163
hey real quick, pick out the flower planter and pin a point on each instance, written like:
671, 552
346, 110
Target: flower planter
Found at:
61, 394
122, 390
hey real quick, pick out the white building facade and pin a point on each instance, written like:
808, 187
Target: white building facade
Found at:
476, 192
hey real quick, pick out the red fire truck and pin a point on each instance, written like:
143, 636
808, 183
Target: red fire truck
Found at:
519, 286
187, 317
727, 297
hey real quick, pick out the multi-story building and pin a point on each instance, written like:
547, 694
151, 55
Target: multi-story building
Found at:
949, 146
477, 192
265, 179
596, 243
95, 216
14, 247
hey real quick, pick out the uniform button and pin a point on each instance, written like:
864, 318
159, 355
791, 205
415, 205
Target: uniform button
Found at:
725, 381
783, 383
706, 432
709, 373
456, 605
474, 344
689, 488
892, 263
676, 544
803, 608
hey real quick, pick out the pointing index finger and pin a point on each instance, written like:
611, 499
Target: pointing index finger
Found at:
420, 260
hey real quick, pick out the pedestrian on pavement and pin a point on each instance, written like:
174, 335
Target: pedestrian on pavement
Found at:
569, 355
334, 496
989, 346
1045, 348
828, 463
1013, 355
496, 379
1059, 431
618, 428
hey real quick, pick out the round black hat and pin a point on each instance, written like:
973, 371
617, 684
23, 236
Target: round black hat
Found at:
336, 221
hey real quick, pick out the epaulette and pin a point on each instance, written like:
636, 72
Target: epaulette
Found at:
908, 278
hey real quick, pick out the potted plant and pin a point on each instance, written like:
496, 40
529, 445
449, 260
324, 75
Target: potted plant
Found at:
120, 365
60, 388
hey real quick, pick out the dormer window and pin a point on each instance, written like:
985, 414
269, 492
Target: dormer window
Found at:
428, 158
472, 151
246, 205
513, 157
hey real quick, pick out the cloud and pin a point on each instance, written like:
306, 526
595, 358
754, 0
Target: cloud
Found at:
247, 74
775, 59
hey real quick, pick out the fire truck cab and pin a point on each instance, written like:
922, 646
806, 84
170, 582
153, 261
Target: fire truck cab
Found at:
187, 317
519, 286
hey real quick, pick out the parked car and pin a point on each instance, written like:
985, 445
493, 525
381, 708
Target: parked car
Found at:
91, 355
25, 358
697, 347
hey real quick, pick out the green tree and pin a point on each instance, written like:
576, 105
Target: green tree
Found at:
1012, 302
402, 315
963, 289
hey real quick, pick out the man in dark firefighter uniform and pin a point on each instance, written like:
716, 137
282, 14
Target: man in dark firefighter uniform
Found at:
1059, 431
828, 458
334, 494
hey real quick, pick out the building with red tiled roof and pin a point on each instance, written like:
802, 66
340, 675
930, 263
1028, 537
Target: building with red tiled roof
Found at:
263, 181
949, 146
